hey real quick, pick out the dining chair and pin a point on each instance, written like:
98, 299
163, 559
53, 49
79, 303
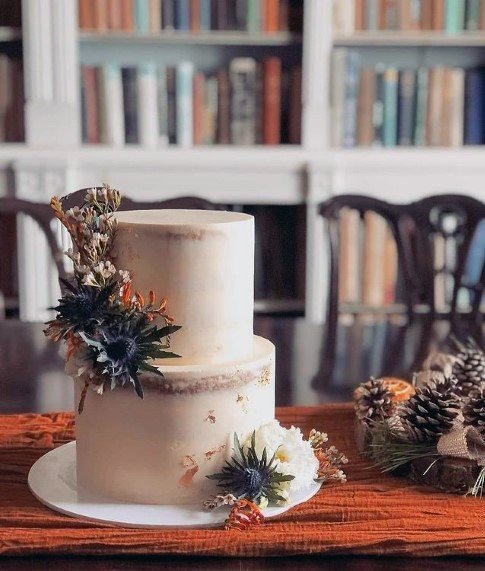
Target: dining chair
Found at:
43, 215
416, 227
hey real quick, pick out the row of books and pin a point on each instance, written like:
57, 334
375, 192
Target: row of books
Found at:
11, 100
367, 259
248, 103
384, 106
369, 274
152, 16
450, 16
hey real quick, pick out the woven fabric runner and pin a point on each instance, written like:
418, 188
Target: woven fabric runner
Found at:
371, 514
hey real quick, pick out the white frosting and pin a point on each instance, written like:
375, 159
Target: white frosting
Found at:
160, 449
203, 263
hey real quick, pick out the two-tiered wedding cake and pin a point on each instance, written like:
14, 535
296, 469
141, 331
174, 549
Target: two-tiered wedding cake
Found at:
160, 449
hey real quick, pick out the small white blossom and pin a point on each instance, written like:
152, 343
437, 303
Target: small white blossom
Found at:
90, 280
125, 276
75, 213
105, 269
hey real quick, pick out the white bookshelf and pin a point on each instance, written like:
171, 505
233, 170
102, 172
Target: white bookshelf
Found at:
53, 160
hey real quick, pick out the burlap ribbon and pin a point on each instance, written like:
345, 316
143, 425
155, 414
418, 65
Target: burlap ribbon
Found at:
463, 442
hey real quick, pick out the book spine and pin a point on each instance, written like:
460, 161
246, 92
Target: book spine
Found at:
172, 105
86, 14
198, 107
92, 118
155, 13
84, 113
168, 15
337, 95
406, 105
205, 15
474, 107
390, 107
420, 122
272, 17
130, 105
114, 130
147, 104
162, 90
472, 15
359, 20
388, 15
210, 111
426, 15
481, 24
223, 108
194, 10
184, 91
242, 73
374, 249
100, 15
435, 106
350, 99
142, 16
456, 117
127, 13
253, 21
365, 102
294, 128
258, 105
271, 101
438, 20
378, 108
454, 16
114, 15
371, 15
182, 15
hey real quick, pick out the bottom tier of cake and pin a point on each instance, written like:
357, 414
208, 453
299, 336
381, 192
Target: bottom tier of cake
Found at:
159, 450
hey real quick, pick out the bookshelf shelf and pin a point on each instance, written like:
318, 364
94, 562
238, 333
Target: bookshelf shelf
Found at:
9, 34
212, 38
409, 39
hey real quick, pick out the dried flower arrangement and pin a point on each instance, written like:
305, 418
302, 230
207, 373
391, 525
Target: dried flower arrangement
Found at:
268, 466
108, 328
437, 434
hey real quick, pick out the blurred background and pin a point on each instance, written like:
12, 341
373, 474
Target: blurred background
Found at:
352, 130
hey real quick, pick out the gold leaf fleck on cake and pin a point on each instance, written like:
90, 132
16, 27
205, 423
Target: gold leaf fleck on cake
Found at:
210, 417
210, 453
190, 463
243, 401
265, 377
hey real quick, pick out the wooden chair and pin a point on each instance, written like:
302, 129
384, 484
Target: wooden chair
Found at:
414, 227
43, 215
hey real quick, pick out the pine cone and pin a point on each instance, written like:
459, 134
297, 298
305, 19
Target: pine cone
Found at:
428, 414
474, 411
374, 401
469, 368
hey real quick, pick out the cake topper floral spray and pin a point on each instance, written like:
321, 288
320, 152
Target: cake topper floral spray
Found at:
109, 328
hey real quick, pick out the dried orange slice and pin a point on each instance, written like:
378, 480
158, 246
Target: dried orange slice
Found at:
399, 388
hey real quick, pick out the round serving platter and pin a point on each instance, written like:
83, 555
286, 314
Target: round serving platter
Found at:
52, 480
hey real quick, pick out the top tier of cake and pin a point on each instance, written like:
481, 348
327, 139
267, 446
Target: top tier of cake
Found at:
203, 263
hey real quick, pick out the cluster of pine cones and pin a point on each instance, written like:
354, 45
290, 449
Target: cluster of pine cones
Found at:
459, 389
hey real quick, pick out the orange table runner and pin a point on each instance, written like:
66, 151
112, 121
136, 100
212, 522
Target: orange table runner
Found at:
371, 514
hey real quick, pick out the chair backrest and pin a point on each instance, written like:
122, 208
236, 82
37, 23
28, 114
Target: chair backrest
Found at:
417, 227
43, 215
182, 202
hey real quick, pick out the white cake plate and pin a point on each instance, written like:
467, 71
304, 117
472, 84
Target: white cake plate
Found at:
52, 480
